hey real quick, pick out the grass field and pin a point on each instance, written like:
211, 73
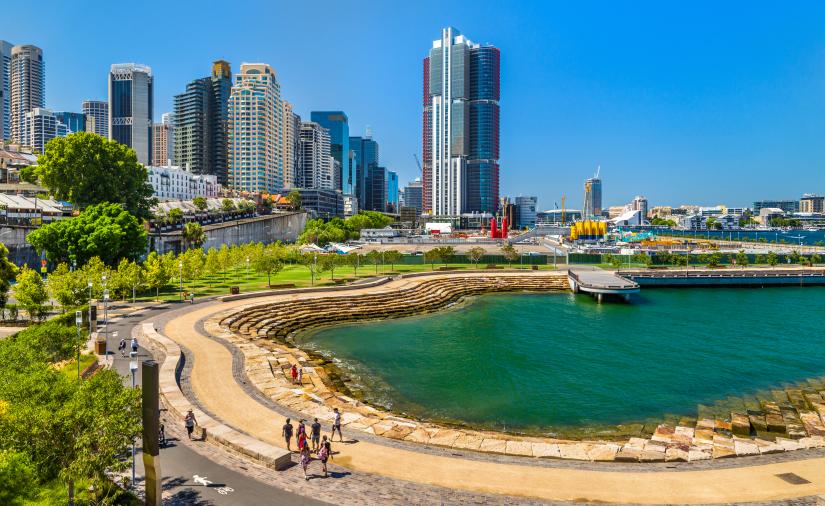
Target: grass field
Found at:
70, 368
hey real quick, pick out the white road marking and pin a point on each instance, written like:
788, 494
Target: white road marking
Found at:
201, 480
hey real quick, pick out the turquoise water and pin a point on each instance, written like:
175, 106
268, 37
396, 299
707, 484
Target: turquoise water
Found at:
547, 361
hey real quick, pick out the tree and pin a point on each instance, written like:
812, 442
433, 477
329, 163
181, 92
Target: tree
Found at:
815, 259
269, 261
510, 254
796, 257
393, 257
294, 198
354, 260
7, 273
200, 203
224, 260
130, 274
474, 254
772, 259
104, 230
17, 477
741, 259
157, 272
374, 257
30, 292
68, 288
431, 257
227, 205
193, 262
760, 259
212, 266
714, 260
310, 261
329, 262
175, 215
193, 235
87, 169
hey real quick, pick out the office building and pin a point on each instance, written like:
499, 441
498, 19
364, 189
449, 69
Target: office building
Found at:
192, 134
97, 117
413, 195
255, 130
5, 90
131, 105
364, 156
168, 119
810, 203
461, 127
526, 211
74, 121
219, 120
317, 164
592, 198
640, 204
377, 183
292, 144
174, 183
161, 135
41, 126
392, 192
337, 123
27, 88
788, 206
326, 204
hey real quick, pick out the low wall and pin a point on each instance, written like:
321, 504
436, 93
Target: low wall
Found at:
728, 278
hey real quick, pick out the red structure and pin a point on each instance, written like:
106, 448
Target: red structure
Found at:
493, 230
504, 228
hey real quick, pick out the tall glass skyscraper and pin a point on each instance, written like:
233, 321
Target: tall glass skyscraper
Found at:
97, 116
219, 120
392, 191
338, 125
460, 127
27, 83
592, 198
256, 130
130, 108
5, 93
74, 121
365, 157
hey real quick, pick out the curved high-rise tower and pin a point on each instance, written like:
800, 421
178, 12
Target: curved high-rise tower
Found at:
27, 83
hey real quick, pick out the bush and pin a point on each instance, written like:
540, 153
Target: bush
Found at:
56, 340
17, 477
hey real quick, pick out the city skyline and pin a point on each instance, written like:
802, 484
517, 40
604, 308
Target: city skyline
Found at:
724, 110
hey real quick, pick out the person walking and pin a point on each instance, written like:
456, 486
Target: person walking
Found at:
325, 453
162, 436
190, 423
134, 344
336, 425
306, 458
315, 435
302, 435
122, 347
192, 298
286, 432
294, 373
300, 376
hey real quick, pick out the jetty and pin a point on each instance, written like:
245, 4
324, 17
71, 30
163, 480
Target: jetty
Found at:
727, 277
601, 283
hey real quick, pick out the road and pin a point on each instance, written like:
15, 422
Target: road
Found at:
180, 465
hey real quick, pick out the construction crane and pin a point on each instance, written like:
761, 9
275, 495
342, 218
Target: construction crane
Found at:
417, 162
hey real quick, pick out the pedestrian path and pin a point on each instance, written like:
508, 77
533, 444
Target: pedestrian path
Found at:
218, 390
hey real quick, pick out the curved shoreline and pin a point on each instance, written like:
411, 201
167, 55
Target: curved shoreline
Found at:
280, 321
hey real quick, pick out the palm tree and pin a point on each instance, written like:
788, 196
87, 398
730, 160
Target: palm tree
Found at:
193, 235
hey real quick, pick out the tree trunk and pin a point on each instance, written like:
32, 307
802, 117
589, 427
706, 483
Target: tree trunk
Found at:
71, 493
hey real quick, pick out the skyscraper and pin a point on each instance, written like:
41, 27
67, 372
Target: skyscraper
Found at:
377, 183
640, 204
338, 125
413, 195
192, 135
316, 170
168, 119
460, 126
161, 132
97, 117
130, 108
255, 130
41, 126
292, 142
219, 120
5, 93
27, 83
392, 191
364, 156
592, 198
74, 121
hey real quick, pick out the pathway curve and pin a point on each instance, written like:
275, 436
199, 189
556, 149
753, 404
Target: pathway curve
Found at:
219, 392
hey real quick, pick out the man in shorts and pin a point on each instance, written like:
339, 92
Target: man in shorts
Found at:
287, 433
316, 435
336, 425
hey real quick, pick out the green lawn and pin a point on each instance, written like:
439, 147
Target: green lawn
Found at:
298, 275
56, 492
70, 368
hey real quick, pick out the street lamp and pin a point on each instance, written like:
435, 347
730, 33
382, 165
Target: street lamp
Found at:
78, 319
180, 279
90, 306
133, 365
314, 268
247, 269
106, 312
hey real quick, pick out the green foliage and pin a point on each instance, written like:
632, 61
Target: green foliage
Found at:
741, 259
87, 169
200, 203
772, 259
661, 222
175, 215
158, 271
17, 477
392, 257
714, 260
294, 198
475, 253
355, 260
227, 205
129, 277
193, 235
329, 262
269, 260
375, 258
193, 263
338, 230
441, 254
30, 293
510, 253
760, 259
7, 273
816, 259
53, 339
786, 222
106, 231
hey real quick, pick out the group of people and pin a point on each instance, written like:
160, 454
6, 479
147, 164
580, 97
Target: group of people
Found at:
122, 346
312, 443
297, 375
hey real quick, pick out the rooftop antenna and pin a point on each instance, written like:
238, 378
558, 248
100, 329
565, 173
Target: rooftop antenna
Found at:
368, 132
598, 170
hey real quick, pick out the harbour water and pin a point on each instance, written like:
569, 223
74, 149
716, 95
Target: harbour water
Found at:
546, 363
791, 237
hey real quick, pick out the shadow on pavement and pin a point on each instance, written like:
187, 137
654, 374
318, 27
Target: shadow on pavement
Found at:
187, 498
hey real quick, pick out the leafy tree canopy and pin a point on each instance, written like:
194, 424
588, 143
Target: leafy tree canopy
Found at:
86, 169
104, 230
338, 230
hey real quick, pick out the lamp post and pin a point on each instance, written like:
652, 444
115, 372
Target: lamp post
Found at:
78, 319
106, 312
90, 306
314, 268
133, 365
247, 269
180, 279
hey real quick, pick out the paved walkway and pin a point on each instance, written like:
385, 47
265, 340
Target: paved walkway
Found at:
218, 390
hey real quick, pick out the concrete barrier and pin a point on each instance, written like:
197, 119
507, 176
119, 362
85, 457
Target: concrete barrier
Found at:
213, 431
340, 288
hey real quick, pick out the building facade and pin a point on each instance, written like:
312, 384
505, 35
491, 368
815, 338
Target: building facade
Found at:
461, 127
255, 130
337, 123
131, 96
74, 121
592, 198
161, 133
5, 89
97, 117
788, 206
219, 120
192, 133
526, 211
27, 88
292, 144
317, 164
640, 204
364, 157
393, 202
41, 126
810, 203
174, 183
377, 189
413, 195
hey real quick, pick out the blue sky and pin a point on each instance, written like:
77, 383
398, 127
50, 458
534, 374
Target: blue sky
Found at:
684, 102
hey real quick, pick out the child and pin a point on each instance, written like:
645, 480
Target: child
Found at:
325, 453
305, 459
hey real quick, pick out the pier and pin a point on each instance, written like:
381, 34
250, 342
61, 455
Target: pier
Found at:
601, 283
727, 277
